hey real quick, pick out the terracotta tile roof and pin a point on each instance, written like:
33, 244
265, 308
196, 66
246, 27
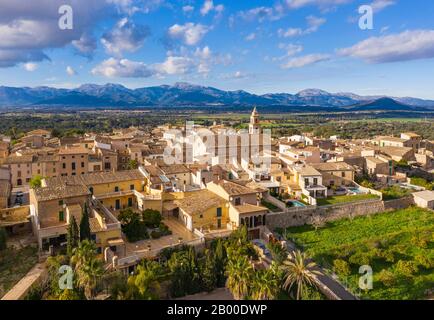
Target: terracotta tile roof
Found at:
196, 202
60, 191
332, 166
73, 150
234, 189
249, 208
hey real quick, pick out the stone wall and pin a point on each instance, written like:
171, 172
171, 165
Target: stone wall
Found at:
399, 203
300, 216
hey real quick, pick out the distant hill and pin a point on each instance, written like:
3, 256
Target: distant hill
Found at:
383, 104
185, 94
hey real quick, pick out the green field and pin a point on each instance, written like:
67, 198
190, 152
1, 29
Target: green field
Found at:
398, 245
343, 199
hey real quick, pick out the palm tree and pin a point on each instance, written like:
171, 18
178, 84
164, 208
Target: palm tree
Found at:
144, 283
88, 268
240, 274
265, 285
299, 272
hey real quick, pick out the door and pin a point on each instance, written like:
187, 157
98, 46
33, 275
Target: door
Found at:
118, 204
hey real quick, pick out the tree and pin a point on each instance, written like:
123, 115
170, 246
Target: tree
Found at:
35, 182
3, 238
132, 225
299, 273
341, 267
72, 236
220, 263
184, 272
240, 274
278, 252
265, 285
151, 218
87, 267
144, 284
132, 164
84, 224
208, 272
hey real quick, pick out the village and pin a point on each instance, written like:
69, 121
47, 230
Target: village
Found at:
138, 204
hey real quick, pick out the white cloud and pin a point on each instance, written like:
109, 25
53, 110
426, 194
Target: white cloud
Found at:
378, 5
290, 32
187, 9
291, 49
189, 33
250, 37
30, 66
124, 68
70, 71
86, 45
313, 25
125, 36
297, 4
209, 6
306, 60
260, 14
408, 45
175, 65
27, 29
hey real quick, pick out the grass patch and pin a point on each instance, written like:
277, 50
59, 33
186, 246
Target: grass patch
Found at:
270, 206
14, 264
395, 192
397, 245
343, 199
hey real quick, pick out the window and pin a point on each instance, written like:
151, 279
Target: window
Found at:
237, 201
116, 189
130, 202
315, 181
82, 164
60, 202
343, 174
64, 165
107, 166
73, 166
306, 182
19, 173
131, 186
219, 212
61, 216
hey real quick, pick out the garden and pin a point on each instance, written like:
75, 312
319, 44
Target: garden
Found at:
397, 245
144, 225
346, 198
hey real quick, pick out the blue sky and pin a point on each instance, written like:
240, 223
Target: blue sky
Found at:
257, 46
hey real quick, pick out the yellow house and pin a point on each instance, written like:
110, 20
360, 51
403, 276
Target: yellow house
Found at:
60, 198
202, 209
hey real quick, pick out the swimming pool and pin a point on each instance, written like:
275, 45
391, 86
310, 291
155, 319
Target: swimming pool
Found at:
295, 203
355, 190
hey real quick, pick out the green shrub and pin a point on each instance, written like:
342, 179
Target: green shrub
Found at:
341, 267
424, 260
406, 268
387, 278
388, 255
151, 218
360, 258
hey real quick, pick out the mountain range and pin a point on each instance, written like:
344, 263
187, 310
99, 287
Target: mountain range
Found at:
185, 94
